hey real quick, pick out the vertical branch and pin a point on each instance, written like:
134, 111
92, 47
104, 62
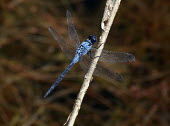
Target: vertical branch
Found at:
108, 16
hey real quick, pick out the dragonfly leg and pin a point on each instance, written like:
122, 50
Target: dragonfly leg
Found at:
90, 54
77, 44
98, 46
95, 57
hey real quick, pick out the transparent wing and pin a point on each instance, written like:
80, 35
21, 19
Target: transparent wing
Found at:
71, 29
100, 70
66, 48
111, 57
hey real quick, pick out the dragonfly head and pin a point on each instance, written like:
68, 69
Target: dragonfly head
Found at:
93, 39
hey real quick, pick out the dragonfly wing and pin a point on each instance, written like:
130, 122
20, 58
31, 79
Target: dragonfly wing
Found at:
100, 70
71, 29
111, 57
66, 48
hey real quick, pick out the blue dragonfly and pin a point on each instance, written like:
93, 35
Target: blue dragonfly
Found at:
77, 51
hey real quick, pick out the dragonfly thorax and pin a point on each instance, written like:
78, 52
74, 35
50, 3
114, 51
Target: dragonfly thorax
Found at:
84, 48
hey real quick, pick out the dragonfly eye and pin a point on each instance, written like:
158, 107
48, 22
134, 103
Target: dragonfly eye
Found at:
93, 39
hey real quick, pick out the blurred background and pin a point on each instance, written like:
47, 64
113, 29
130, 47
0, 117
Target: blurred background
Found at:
31, 60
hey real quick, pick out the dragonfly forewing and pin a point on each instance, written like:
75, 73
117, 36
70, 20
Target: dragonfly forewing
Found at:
66, 48
71, 30
111, 57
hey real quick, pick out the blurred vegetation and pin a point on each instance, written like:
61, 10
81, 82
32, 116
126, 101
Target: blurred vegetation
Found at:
31, 60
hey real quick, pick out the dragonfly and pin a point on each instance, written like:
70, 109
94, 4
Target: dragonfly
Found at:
84, 53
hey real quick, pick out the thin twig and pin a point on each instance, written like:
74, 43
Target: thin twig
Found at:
109, 14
